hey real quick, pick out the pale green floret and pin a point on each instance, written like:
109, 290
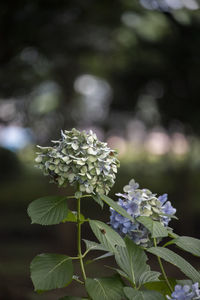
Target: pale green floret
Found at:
79, 158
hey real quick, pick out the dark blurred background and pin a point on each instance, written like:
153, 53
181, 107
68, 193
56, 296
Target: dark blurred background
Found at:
127, 69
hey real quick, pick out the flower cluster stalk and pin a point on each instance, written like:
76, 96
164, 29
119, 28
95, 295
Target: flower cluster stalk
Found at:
163, 270
79, 237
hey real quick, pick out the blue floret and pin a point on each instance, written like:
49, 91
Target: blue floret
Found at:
185, 292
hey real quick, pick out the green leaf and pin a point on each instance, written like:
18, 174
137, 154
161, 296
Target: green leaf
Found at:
95, 246
176, 260
90, 261
161, 286
72, 217
48, 210
72, 298
169, 216
184, 282
90, 245
142, 295
98, 200
132, 260
51, 271
188, 244
148, 276
106, 235
108, 254
120, 272
116, 207
171, 233
108, 288
155, 227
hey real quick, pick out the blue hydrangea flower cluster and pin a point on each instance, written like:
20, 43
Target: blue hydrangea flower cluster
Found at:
185, 292
140, 202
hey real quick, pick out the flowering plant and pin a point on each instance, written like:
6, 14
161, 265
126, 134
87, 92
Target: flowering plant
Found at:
139, 221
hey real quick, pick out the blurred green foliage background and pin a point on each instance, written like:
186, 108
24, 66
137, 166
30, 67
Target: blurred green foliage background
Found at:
127, 69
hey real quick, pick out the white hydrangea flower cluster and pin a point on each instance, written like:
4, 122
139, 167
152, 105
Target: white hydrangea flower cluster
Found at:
140, 202
80, 159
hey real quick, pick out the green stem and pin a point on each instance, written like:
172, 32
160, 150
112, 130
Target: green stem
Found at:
79, 237
162, 269
78, 280
83, 196
78, 257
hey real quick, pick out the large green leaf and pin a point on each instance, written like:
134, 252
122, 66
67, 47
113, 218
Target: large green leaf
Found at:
109, 288
48, 210
142, 295
132, 260
176, 260
155, 227
50, 271
106, 235
188, 244
116, 207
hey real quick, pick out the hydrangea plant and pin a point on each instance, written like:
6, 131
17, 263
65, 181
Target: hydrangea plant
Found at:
139, 221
